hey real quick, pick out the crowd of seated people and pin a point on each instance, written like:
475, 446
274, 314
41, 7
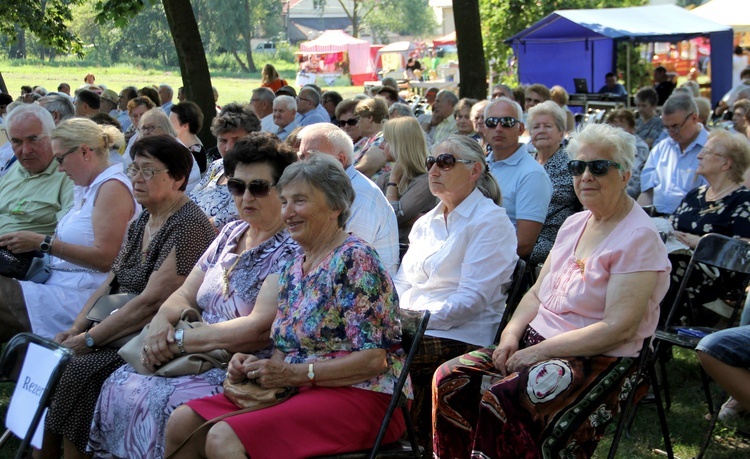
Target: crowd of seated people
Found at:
434, 212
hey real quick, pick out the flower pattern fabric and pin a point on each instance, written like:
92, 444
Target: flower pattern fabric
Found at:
214, 199
347, 303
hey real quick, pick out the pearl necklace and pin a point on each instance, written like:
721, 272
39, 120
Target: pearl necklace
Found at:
721, 193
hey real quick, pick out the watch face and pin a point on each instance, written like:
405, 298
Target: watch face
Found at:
89, 341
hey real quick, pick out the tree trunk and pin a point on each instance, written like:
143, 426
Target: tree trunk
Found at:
472, 68
248, 44
193, 65
243, 67
3, 87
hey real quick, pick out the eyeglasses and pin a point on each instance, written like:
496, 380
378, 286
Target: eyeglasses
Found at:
505, 121
351, 122
597, 167
258, 188
446, 161
706, 152
61, 158
148, 129
302, 98
146, 172
675, 128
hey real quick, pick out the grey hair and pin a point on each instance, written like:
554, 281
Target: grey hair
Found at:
35, 110
452, 97
548, 107
159, 118
467, 148
265, 94
679, 103
286, 101
312, 94
615, 141
503, 99
401, 109
337, 137
326, 174
168, 88
59, 103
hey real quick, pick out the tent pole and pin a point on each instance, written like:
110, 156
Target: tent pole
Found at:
627, 72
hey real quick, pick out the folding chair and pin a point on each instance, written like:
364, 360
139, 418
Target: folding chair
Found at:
13, 363
413, 326
514, 297
713, 250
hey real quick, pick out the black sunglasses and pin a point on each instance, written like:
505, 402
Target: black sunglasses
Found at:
446, 161
597, 167
351, 122
505, 121
258, 188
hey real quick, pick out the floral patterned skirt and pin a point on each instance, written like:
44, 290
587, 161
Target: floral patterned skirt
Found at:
556, 408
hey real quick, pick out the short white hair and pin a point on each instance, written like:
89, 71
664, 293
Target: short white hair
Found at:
503, 99
336, 137
615, 141
287, 101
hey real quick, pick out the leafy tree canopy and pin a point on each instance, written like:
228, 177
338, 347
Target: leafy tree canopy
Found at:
45, 19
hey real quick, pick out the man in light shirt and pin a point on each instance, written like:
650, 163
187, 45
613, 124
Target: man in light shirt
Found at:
284, 112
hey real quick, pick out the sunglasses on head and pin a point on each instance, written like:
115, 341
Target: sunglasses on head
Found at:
258, 188
445, 161
351, 122
505, 121
597, 167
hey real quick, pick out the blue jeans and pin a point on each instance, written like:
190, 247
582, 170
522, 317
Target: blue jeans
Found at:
730, 346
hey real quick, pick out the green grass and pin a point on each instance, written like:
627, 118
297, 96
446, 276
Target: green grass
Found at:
232, 86
686, 422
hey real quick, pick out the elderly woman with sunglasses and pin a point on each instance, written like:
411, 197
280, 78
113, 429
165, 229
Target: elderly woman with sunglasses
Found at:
224, 287
579, 329
460, 260
162, 246
86, 240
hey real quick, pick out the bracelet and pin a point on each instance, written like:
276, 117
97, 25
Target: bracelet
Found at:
178, 337
391, 184
62, 247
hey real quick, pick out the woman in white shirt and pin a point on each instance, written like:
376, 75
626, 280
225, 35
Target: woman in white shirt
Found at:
460, 260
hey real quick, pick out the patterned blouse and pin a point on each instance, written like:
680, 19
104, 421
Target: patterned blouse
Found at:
215, 200
187, 231
244, 273
650, 129
563, 204
374, 141
347, 303
729, 215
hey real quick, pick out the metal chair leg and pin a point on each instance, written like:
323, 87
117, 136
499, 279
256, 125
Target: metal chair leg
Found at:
660, 411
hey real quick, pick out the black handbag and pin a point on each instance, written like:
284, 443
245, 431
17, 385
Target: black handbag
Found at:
33, 266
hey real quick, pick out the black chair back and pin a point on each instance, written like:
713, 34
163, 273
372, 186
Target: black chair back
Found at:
514, 297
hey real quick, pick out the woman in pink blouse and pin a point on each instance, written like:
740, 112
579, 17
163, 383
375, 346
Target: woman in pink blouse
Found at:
582, 323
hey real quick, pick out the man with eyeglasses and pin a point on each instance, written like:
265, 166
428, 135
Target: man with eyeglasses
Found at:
669, 172
284, 112
525, 186
372, 217
262, 102
35, 194
307, 108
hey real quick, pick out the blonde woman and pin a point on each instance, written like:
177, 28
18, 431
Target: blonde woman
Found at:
406, 186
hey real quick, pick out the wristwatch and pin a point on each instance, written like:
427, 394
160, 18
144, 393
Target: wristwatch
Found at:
89, 340
179, 335
311, 374
46, 246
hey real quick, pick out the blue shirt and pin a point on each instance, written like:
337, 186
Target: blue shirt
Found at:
618, 90
524, 184
311, 117
283, 133
671, 172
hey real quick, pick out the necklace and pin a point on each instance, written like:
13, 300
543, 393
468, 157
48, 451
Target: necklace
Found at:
719, 194
225, 276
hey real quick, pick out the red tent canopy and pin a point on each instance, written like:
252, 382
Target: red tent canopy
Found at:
337, 41
449, 39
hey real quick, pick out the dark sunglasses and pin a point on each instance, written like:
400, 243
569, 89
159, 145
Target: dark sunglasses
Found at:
446, 161
258, 188
351, 122
505, 121
597, 167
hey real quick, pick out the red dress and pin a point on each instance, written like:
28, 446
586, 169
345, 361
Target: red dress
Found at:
275, 85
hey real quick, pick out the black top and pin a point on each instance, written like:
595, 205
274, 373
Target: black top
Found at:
729, 216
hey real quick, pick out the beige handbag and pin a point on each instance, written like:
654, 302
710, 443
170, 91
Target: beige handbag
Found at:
185, 364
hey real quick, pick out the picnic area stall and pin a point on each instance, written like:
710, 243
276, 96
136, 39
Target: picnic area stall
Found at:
335, 58
391, 59
570, 44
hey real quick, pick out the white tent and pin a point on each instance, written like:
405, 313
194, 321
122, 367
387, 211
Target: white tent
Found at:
734, 13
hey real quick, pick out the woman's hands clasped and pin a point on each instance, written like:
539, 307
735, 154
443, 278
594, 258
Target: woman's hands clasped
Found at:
269, 373
159, 347
509, 359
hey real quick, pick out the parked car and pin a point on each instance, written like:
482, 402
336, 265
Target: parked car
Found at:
266, 47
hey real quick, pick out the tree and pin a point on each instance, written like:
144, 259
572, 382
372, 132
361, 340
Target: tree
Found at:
473, 71
45, 20
409, 17
187, 41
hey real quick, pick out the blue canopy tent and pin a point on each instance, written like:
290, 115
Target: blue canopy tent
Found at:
571, 44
